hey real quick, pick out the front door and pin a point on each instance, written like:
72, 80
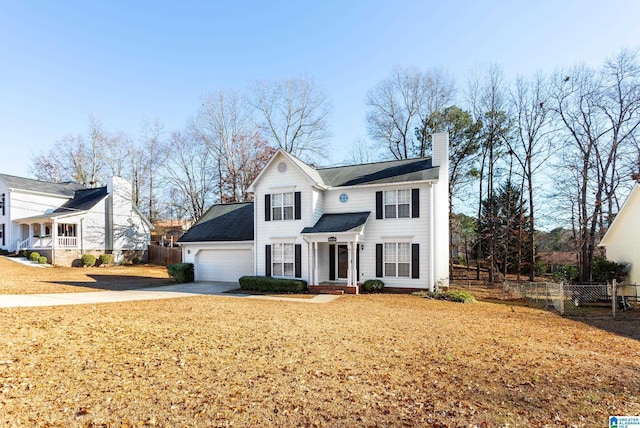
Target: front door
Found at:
343, 261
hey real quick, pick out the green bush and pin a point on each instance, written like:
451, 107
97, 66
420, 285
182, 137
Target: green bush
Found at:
449, 295
34, 256
136, 260
373, 285
42, 260
565, 274
25, 253
606, 270
267, 283
104, 259
181, 272
88, 260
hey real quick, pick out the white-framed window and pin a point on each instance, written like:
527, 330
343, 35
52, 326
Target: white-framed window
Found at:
282, 259
282, 206
397, 203
397, 259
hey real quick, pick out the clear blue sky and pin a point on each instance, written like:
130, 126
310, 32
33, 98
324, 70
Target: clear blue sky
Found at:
124, 62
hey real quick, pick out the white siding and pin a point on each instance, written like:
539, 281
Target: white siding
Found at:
20, 205
622, 241
274, 181
413, 230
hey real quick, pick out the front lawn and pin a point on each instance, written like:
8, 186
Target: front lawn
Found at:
16, 278
368, 360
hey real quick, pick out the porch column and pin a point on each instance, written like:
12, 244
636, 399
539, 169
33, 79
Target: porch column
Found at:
349, 264
315, 263
54, 235
30, 237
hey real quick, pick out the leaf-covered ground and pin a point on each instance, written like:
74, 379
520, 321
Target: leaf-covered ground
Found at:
368, 360
16, 278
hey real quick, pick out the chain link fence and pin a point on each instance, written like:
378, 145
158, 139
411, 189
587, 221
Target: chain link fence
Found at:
575, 299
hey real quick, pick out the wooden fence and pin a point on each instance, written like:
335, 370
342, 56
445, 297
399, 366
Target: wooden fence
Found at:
164, 256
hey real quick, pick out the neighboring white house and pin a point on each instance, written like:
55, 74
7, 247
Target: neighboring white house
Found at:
336, 227
622, 240
62, 221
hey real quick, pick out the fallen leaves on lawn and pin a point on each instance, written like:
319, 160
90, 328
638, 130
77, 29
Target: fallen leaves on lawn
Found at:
369, 360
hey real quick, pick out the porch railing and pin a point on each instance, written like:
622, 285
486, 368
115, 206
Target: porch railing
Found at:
47, 242
67, 241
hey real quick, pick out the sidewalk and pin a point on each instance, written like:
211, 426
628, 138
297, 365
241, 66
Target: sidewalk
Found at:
155, 293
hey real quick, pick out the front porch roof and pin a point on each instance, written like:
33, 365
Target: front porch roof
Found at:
336, 223
51, 217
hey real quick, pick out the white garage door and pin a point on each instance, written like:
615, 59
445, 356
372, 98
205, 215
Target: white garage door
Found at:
223, 265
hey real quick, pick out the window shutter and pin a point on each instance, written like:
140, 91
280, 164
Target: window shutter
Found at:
332, 262
379, 261
297, 205
3, 240
267, 260
298, 262
415, 260
378, 205
415, 203
3, 204
267, 207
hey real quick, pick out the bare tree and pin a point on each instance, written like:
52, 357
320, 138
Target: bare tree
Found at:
223, 123
75, 157
600, 114
532, 106
293, 114
242, 164
156, 152
487, 97
360, 151
399, 105
189, 174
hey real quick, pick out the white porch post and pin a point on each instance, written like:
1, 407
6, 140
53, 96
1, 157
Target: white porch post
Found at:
30, 234
349, 264
315, 264
54, 235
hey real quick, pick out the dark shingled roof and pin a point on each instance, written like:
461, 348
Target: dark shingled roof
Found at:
334, 223
83, 200
225, 222
63, 189
380, 172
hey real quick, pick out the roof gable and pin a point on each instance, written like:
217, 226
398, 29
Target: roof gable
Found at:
224, 222
619, 219
66, 189
307, 170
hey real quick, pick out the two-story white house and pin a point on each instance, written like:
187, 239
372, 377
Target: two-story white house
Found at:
62, 221
337, 227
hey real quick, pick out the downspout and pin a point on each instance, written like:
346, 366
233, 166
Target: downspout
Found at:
432, 244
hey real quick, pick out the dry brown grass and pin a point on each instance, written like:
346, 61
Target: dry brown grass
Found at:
368, 360
16, 278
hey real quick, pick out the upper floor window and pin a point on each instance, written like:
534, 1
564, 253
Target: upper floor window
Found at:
397, 203
400, 203
282, 206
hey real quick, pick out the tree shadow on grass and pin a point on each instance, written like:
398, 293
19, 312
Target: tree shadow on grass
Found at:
625, 324
118, 282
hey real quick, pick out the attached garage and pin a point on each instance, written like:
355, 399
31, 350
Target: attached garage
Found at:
226, 264
220, 243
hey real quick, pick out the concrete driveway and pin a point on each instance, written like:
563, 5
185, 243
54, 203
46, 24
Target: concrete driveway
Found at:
154, 293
